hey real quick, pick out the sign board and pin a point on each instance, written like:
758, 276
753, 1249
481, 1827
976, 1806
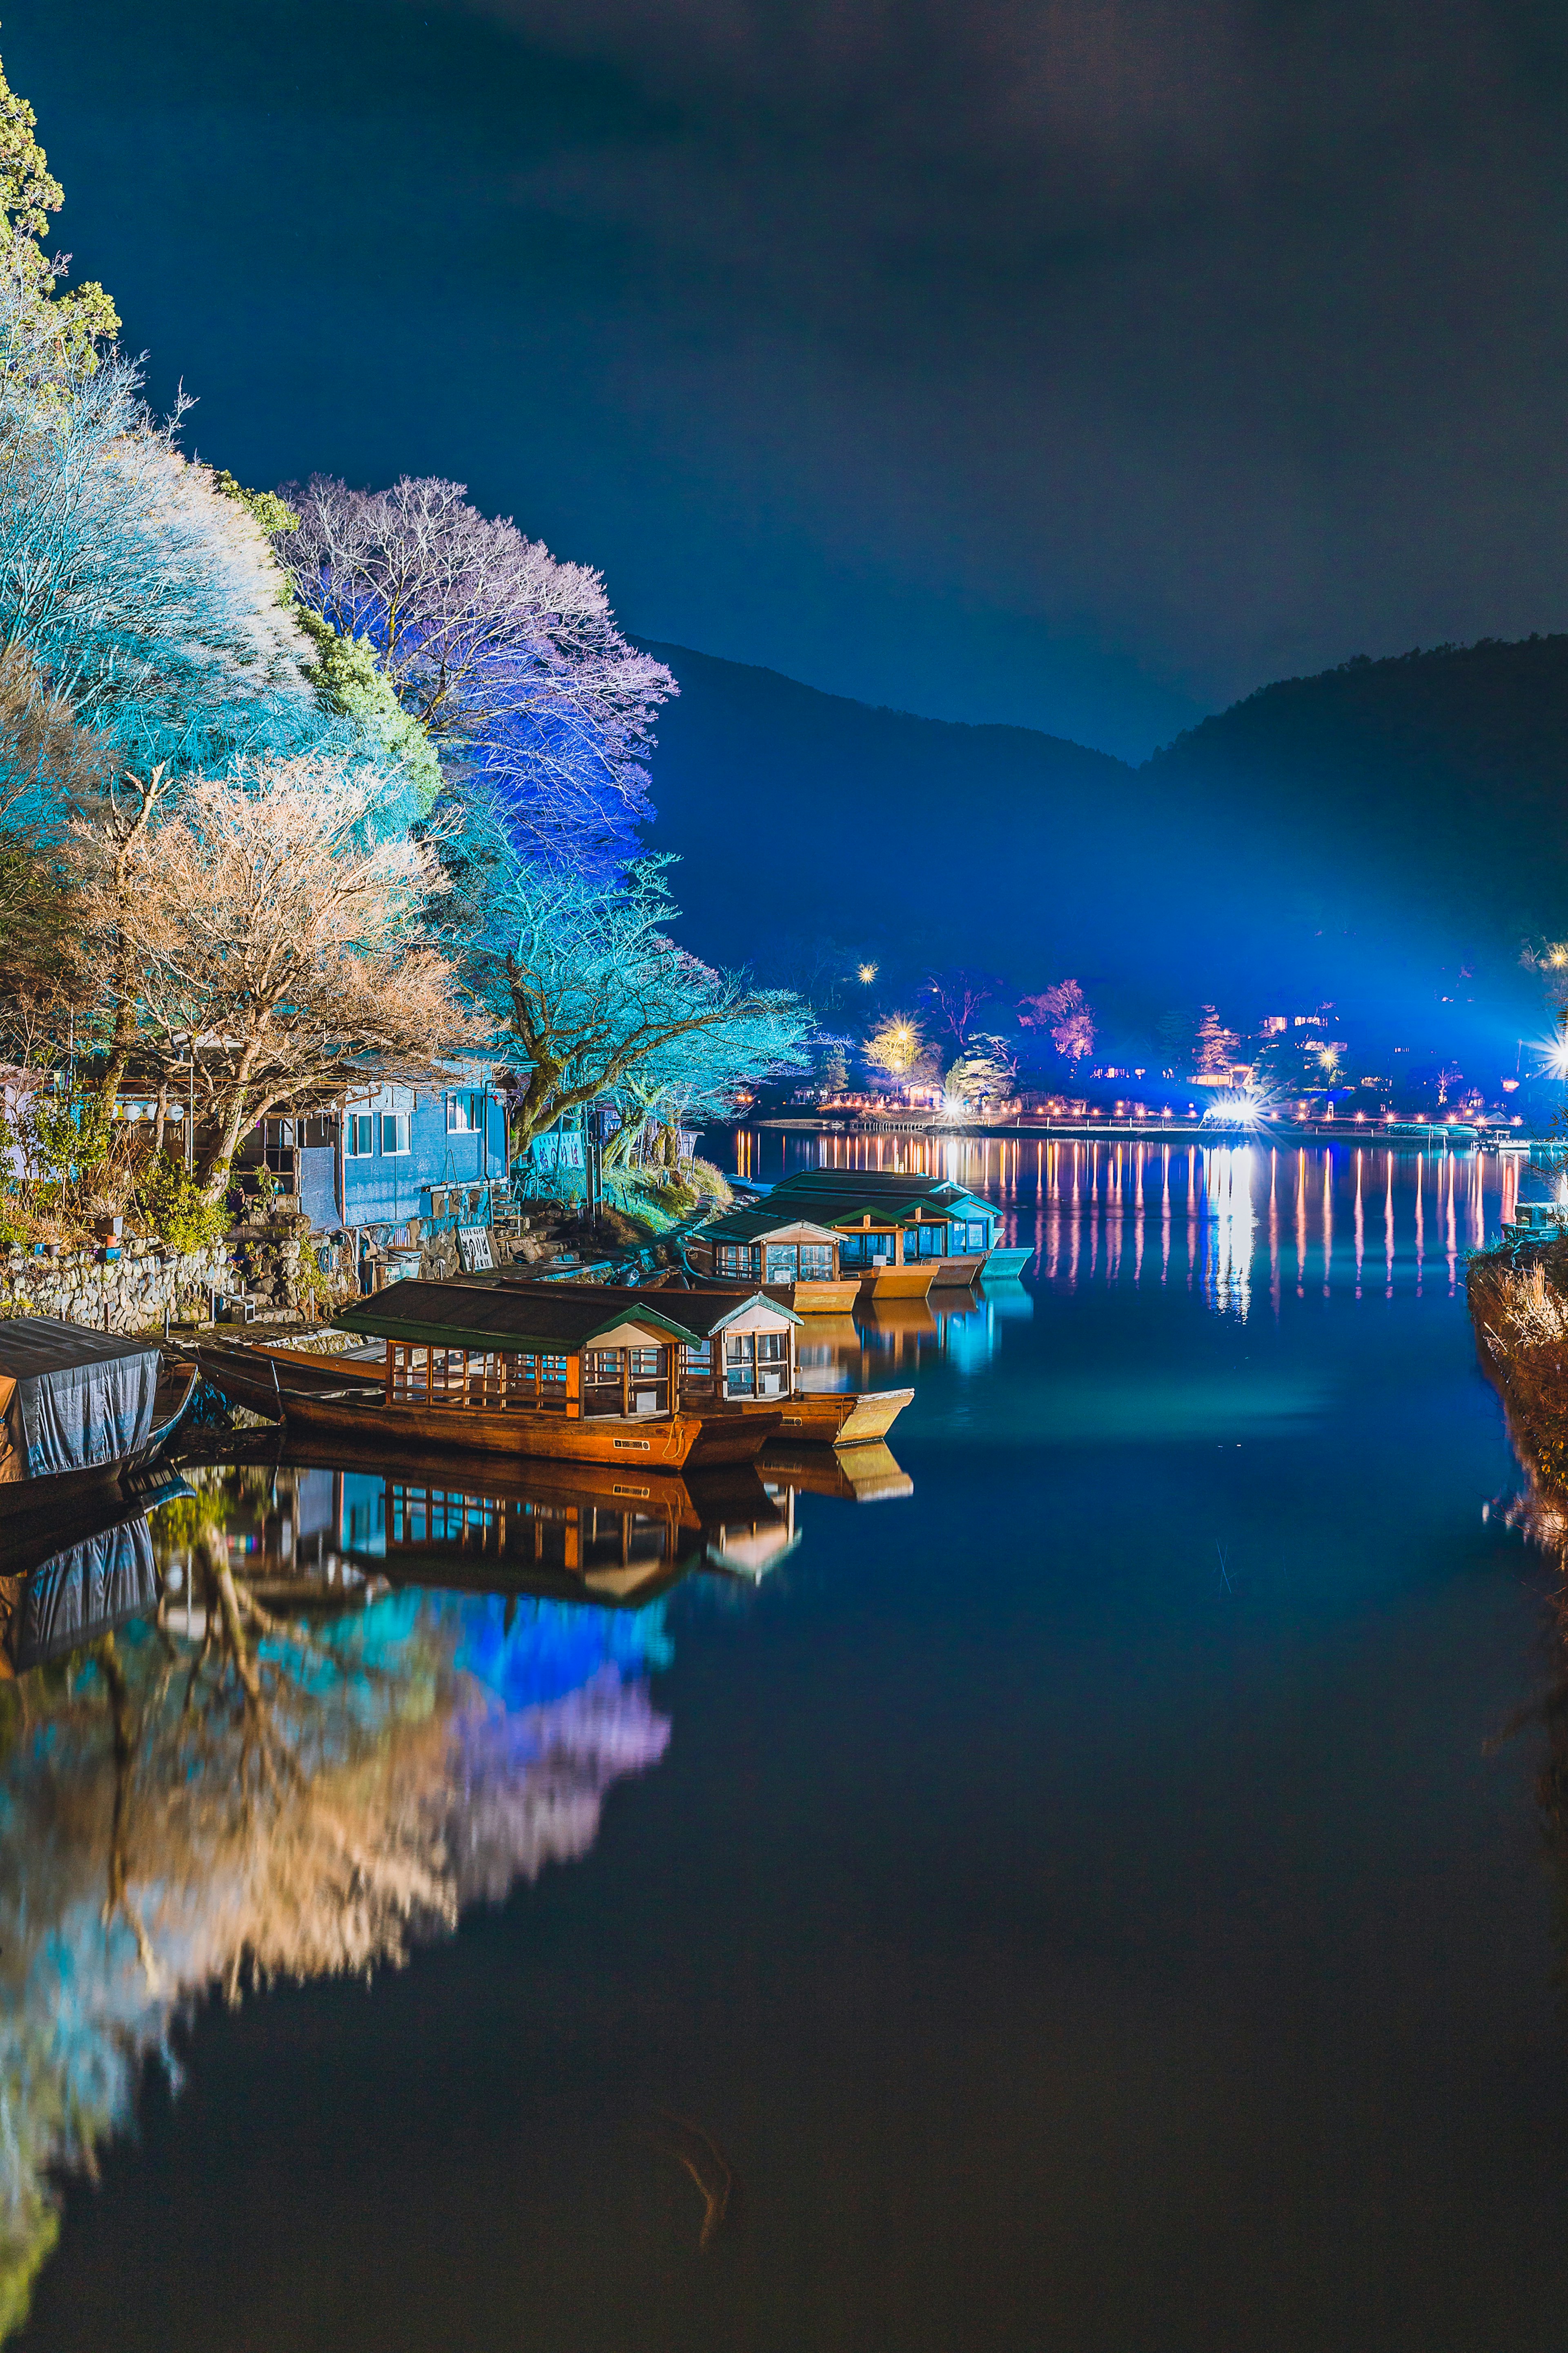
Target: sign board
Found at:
474, 1249
558, 1150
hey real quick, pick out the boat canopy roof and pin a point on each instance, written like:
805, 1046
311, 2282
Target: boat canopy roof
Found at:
845, 1196
715, 1309
700, 1313
539, 1319
766, 1226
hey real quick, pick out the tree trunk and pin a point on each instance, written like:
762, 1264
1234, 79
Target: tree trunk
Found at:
124, 1036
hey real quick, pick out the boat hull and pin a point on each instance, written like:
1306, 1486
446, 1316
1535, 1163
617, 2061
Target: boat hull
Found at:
819, 1298
24, 1500
897, 1281
1003, 1265
841, 1416
367, 1419
958, 1274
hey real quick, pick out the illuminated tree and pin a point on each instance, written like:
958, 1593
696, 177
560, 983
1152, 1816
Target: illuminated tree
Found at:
959, 996
896, 1045
1216, 1047
509, 659
1063, 1011
581, 979
278, 947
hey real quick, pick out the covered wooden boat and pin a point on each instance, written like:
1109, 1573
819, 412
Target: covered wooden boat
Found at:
892, 1228
558, 1371
792, 1256
79, 1409
745, 1364
1006, 1265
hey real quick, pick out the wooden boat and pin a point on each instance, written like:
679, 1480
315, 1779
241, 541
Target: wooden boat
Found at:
960, 1274
119, 1403
880, 1282
1005, 1265
745, 1366
791, 1258
842, 1418
551, 1371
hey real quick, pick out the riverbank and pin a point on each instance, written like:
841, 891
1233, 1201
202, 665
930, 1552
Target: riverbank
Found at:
1519, 1305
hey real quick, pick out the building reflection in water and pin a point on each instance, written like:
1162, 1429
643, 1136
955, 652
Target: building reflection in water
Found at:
295, 1719
1203, 1217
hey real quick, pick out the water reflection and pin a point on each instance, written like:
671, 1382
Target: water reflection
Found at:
1203, 1217
300, 1715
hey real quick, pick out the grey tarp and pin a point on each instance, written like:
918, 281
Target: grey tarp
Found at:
87, 1591
81, 1398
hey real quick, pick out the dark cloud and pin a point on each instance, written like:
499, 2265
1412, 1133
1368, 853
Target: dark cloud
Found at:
1081, 363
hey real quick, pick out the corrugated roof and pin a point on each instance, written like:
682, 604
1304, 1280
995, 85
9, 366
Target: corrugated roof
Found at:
542, 1319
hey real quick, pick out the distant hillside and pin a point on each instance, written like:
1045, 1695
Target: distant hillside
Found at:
1381, 836
1448, 769
797, 813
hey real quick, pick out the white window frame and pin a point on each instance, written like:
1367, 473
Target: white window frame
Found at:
402, 1125
353, 1121
471, 1099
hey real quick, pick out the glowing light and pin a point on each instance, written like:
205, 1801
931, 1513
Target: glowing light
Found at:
867, 972
1233, 1111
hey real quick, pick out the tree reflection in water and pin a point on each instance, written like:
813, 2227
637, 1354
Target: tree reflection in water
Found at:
218, 1795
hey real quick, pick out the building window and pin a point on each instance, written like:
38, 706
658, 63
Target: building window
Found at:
359, 1136
465, 1114
395, 1126
816, 1261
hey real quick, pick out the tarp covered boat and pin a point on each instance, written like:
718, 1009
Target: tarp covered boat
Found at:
71, 1399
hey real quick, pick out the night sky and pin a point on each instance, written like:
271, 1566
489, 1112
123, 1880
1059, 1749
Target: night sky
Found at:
1084, 363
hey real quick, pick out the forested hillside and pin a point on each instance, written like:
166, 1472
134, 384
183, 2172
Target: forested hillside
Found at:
1387, 833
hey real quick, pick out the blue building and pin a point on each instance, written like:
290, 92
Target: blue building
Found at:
395, 1154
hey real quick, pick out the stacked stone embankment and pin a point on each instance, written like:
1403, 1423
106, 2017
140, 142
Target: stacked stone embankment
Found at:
131, 1294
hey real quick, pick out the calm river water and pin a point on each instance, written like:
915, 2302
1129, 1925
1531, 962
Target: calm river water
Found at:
1061, 1885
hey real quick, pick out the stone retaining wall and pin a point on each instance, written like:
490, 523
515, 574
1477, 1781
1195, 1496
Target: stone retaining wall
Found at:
125, 1294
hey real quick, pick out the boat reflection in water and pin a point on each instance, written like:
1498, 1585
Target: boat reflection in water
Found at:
293, 1720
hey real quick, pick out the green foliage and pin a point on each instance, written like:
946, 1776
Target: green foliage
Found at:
29, 195
350, 684
273, 513
171, 1203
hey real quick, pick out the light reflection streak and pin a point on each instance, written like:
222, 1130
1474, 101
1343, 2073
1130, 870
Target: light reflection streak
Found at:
1078, 1212
1232, 1221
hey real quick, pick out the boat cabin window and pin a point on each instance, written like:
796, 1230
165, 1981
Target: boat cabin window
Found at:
925, 1240
807, 1261
738, 1257
975, 1235
623, 1380
756, 1364
861, 1249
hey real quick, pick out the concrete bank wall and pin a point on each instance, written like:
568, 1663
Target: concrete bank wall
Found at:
125, 1294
